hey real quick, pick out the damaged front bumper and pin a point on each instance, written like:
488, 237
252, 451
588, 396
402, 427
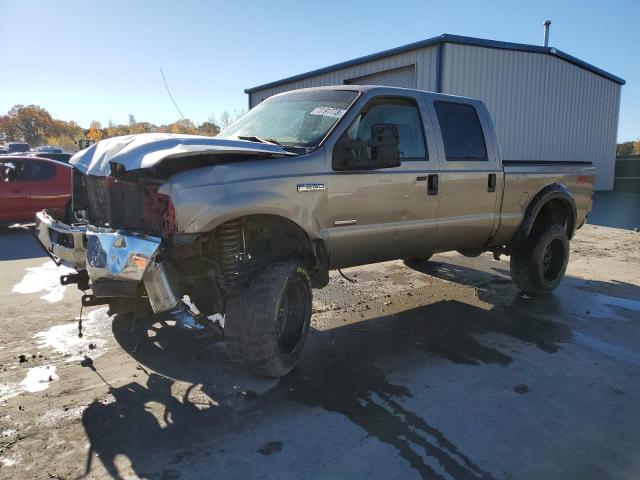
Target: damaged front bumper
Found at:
63, 243
115, 262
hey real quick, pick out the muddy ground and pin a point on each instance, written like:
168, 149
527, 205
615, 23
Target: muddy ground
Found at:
442, 371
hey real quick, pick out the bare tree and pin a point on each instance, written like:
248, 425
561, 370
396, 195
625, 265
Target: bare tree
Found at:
225, 119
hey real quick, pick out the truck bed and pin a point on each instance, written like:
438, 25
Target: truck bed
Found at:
523, 179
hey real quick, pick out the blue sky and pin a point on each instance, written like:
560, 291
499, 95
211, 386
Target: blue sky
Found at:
85, 60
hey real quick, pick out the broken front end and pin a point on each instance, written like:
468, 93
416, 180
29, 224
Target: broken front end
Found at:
128, 254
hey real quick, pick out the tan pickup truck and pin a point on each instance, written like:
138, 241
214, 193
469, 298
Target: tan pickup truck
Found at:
246, 224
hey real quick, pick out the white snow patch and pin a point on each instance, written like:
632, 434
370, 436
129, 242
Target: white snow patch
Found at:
44, 279
64, 338
10, 461
7, 433
7, 391
38, 378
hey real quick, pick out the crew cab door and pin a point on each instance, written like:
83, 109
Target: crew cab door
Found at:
49, 188
376, 214
15, 201
470, 175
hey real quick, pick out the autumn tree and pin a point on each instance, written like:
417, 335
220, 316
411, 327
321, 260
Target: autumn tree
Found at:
95, 131
35, 125
30, 123
8, 130
209, 129
65, 134
628, 148
142, 127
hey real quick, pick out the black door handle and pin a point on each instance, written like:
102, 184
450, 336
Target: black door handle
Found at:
491, 186
432, 185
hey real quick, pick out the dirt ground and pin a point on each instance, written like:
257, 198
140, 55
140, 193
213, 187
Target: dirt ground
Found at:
442, 371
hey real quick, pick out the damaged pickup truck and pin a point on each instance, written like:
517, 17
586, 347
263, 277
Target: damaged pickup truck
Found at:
247, 223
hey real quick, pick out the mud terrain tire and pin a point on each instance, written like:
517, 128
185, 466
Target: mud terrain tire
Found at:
267, 321
539, 264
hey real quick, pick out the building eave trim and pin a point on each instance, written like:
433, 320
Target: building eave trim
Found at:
444, 38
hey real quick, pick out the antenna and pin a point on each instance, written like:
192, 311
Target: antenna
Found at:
169, 92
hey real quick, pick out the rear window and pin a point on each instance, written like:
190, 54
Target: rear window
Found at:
461, 131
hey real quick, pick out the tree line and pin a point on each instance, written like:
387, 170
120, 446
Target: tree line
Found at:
628, 148
36, 126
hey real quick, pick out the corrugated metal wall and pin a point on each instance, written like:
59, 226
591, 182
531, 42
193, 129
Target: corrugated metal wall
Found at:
423, 58
404, 77
544, 108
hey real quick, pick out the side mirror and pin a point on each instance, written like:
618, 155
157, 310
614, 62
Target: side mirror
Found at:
384, 143
379, 152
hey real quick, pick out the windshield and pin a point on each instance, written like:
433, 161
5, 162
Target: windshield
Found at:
297, 119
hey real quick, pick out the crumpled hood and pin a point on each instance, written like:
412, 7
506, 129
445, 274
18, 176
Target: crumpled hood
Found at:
148, 149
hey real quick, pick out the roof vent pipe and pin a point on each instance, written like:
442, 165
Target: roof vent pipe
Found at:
546, 24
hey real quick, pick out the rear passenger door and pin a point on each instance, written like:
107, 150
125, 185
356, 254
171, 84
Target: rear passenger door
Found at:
469, 176
46, 192
15, 203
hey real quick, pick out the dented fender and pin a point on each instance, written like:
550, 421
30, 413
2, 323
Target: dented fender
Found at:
207, 197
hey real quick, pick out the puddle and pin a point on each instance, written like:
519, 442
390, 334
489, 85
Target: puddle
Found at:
44, 279
39, 378
608, 349
607, 306
64, 338
583, 303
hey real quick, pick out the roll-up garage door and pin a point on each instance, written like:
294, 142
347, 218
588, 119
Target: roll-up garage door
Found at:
395, 77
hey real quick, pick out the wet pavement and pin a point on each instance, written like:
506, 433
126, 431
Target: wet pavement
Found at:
437, 371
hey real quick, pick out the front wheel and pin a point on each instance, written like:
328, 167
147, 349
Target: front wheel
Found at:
539, 264
268, 320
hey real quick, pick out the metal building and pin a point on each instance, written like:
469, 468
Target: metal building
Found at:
546, 104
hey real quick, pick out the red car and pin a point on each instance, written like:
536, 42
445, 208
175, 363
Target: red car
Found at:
30, 184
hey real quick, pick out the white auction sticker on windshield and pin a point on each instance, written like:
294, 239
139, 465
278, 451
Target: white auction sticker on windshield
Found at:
328, 112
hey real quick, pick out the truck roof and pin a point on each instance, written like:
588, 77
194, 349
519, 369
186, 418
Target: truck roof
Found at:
382, 90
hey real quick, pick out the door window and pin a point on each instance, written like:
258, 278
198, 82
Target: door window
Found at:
461, 131
41, 170
403, 113
12, 171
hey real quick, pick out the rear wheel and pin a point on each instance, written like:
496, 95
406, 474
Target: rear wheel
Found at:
539, 264
267, 321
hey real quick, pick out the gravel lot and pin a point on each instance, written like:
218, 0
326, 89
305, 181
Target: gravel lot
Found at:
439, 372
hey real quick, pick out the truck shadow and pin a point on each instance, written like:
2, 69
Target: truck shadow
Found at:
340, 373
612, 299
18, 243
